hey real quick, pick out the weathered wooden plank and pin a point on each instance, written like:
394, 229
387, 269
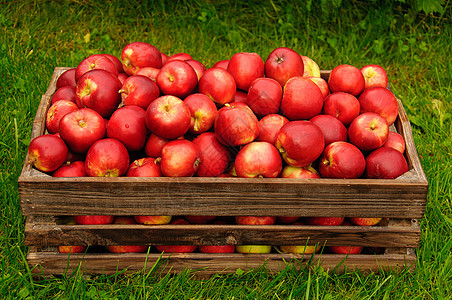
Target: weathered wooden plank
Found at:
403, 127
114, 234
222, 196
208, 264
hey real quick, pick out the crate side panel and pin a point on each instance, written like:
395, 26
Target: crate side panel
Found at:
43, 235
209, 264
225, 197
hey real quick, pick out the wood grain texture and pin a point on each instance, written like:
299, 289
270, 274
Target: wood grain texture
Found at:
43, 263
44, 234
222, 197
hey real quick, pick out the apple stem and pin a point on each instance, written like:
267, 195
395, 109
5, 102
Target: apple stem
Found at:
157, 160
197, 162
31, 161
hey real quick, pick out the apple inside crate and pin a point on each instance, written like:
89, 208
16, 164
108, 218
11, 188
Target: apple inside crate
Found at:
47, 200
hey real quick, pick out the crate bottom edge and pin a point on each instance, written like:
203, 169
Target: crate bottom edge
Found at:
50, 263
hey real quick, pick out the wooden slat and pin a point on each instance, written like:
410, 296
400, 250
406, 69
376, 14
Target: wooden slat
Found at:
222, 196
403, 127
370, 236
208, 264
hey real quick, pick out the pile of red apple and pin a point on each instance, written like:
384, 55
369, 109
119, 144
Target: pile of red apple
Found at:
150, 115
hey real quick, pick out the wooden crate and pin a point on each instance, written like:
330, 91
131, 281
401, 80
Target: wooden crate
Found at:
45, 200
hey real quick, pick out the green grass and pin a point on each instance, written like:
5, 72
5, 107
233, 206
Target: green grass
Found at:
36, 36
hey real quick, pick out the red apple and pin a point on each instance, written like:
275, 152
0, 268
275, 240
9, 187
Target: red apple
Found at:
333, 130
221, 64
179, 56
177, 78
164, 58
311, 68
365, 221
203, 112
282, 64
116, 61
168, 117
345, 249
368, 131
269, 127
253, 249
65, 93
215, 158
71, 249
177, 248
56, 112
264, 96
199, 219
218, 84
154, 145
300, 143
299, 172
342, 160
197, 66
107, 158
180, 158
216, 248
94, 219
255, 220
67, 78
343, 106
396, 141
374, 75
322, 84
127, 125
381, 101
148, 72
74, 169
385, 163
73, 156
124, 220
236, 125
81, 128
144, 167
139, 90
240, 96
302, 99
122, 77
152, 220
324, 221
47, 152
99, 90
226, 175
95, 62
245, 68
258, 159
346, 78
286, 220
139, 55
